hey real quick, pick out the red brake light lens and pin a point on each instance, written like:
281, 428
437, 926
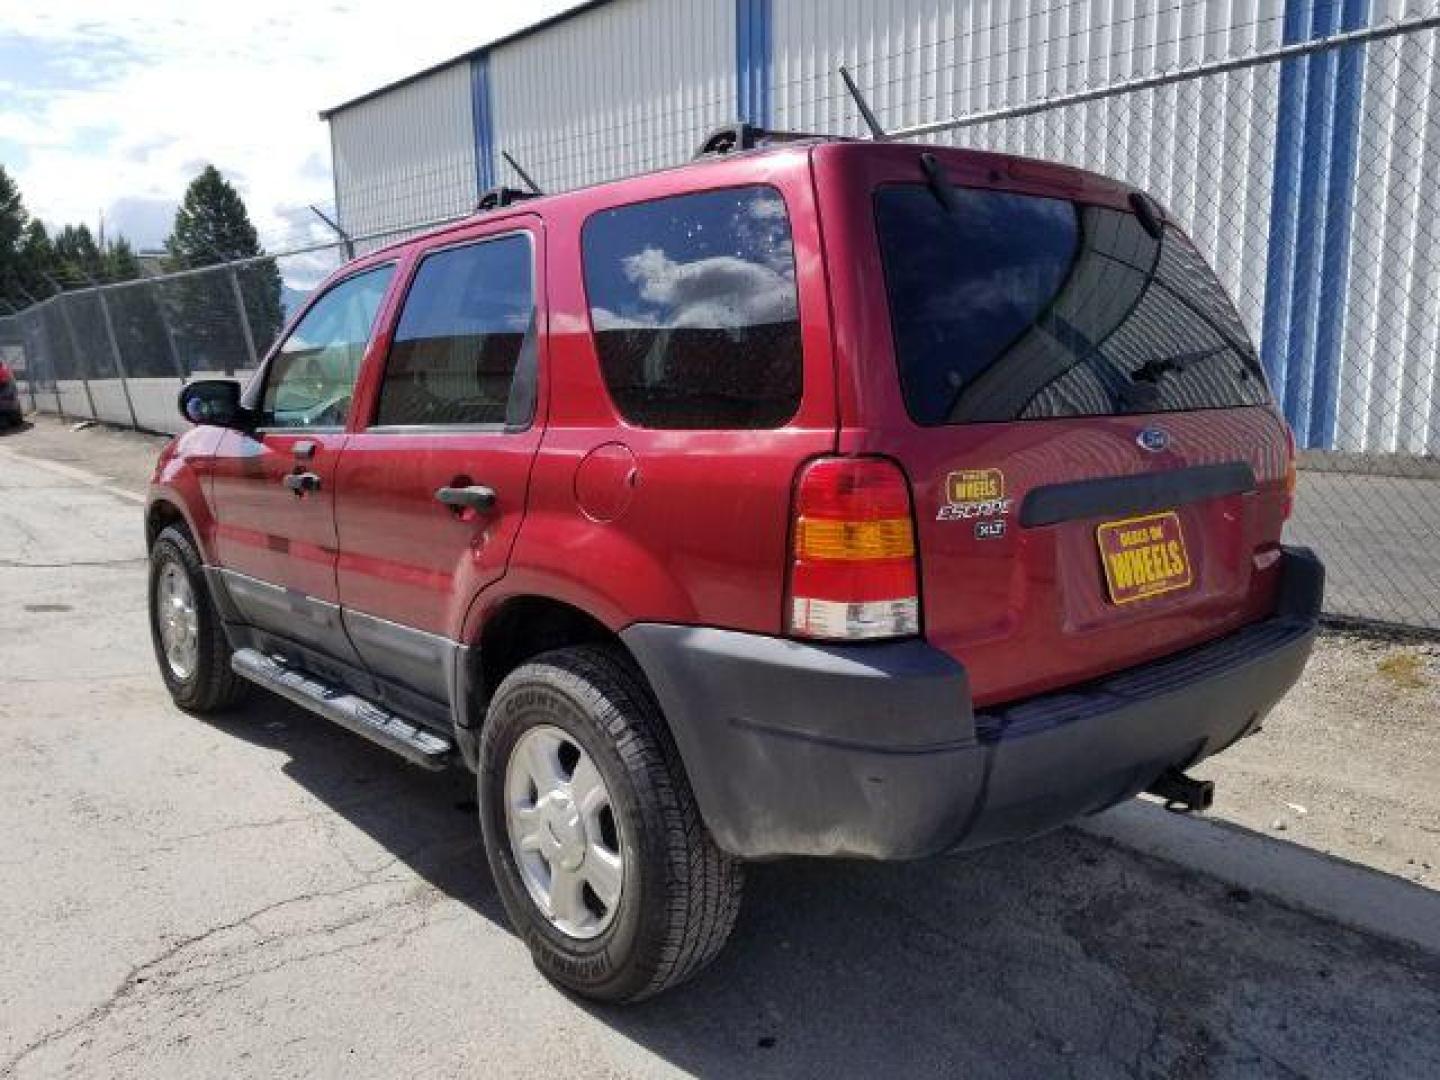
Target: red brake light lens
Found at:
853, 575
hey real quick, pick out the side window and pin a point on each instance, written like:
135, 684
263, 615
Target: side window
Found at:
312, 378
693, 303
464, 349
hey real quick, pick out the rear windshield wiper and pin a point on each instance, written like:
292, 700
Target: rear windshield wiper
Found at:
938, 185
1156, 368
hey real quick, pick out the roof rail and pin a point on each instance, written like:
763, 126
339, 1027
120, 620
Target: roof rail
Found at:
732, 138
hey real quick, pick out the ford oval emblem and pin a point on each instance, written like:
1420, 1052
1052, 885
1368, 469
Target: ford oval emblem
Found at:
1152, 439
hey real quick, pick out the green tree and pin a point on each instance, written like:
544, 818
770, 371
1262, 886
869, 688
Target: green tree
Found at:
78, 258
119, 261
13, 221
213, 226
37, 264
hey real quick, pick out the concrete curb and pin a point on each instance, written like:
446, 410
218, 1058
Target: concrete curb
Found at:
1311, 881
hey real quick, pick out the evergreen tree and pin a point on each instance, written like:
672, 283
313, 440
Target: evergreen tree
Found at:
78, 258
37, 262
120, 263
13, 220
212, 226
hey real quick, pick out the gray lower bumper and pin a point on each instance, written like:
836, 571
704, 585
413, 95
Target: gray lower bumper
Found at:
874, 751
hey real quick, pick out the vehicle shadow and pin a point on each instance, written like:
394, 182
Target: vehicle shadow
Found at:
1067, 954
7, 430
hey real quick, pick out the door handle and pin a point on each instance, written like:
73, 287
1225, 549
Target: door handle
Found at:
474, 497
303, 450
301, 482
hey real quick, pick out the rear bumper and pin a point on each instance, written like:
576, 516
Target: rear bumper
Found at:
875, 751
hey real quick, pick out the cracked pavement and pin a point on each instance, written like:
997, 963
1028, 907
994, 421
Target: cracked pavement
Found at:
267, 895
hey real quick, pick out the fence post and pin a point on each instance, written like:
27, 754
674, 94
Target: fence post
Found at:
75, 352
169, 334
244, 321
119, 360
50, 363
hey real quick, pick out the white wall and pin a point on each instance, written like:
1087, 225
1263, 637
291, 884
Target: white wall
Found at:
1199, 148
630, 86
407, 156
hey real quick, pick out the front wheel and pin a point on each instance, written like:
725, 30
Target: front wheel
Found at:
593, 835
190, 643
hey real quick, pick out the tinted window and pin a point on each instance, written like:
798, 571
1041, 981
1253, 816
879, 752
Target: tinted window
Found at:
311, 379
1019, 307
467, 328
693, 303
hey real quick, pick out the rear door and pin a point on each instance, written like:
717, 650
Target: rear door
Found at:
433, 483
1098, 474
274, 487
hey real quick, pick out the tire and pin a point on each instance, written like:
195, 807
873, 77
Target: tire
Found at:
679, 894
207, 684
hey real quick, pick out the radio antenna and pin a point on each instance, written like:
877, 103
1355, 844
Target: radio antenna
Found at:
876, 131
534, 187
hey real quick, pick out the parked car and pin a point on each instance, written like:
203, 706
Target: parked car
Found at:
11, 411
819, 498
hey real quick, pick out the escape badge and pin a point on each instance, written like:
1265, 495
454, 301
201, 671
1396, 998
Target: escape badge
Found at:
973, 494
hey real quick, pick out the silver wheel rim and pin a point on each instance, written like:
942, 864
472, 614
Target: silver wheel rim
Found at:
177, 620
564, 832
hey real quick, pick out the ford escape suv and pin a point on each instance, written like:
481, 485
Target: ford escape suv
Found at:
821, 498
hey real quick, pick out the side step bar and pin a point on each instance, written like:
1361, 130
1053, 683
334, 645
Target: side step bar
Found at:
379, 725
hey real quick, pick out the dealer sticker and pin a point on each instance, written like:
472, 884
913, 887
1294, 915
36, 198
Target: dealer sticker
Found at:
974, 495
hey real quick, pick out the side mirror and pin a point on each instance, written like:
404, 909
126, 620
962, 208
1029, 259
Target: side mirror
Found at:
215, 402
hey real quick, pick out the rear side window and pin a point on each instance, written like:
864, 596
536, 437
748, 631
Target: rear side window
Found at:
1017, 307
464, 348
693, 303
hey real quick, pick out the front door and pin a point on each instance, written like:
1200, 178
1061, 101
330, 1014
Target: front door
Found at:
274, 487
433, 487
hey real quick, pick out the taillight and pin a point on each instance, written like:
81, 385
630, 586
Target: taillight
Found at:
853, 574
1290, 473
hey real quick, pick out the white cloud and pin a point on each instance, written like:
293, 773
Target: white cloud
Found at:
114, 105
721, 291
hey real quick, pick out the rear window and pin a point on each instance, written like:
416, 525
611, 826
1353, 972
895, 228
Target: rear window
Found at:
693, 303
1016, 307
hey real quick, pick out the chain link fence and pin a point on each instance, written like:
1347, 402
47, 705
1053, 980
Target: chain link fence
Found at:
1305, 170
1308, 177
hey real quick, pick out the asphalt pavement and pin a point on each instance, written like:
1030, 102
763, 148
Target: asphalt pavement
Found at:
267, 895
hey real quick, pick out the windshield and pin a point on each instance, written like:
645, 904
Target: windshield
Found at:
1017, 307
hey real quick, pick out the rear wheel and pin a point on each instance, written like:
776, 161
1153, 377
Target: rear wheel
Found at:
596, 845
190, 643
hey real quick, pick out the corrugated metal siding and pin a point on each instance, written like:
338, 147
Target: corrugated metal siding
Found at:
1389, 393
1201, 148
407, 156
631, 86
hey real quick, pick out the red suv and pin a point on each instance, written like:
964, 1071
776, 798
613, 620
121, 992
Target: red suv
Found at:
821, 498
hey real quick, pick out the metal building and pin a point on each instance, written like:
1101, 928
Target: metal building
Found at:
1309, 183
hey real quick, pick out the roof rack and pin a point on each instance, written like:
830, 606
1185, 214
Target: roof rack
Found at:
498, 197
732, 138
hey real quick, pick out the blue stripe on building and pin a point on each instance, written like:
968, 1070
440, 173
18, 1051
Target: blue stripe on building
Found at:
1312, 203
752, 60
480, 115
1335, 227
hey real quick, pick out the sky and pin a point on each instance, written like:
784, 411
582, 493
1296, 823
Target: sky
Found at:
110, 107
